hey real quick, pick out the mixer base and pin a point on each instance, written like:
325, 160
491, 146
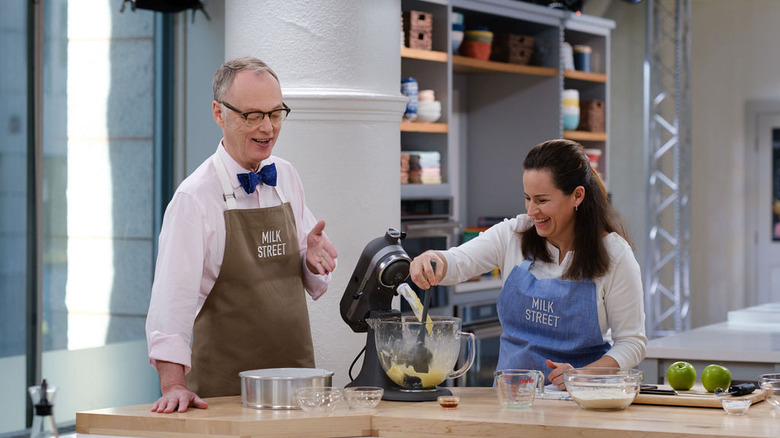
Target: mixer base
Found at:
397, 394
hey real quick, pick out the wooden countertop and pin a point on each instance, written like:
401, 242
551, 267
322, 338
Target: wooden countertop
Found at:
479, 415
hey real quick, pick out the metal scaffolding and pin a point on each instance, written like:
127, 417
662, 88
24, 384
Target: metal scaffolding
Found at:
667, 105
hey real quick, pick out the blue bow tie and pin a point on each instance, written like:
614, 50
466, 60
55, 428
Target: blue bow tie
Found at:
249, 180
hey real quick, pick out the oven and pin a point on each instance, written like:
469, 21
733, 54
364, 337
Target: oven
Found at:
421, 237
481, 319
428, 224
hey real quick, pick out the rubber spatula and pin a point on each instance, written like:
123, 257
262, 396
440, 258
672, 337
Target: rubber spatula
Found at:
421, 356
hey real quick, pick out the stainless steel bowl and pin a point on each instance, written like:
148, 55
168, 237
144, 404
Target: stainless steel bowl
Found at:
274, 388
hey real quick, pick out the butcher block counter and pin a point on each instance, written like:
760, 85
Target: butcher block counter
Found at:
479, 415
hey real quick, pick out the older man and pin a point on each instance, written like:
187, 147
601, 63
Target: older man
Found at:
238, 247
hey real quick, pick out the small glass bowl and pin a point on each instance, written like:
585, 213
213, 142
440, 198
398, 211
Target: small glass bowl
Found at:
363, 397
448, 401
738, 406
770, 383
318, 399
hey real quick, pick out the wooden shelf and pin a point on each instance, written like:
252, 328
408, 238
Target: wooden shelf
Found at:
464, 64
585, 135
585, 76
435, 128
425, 55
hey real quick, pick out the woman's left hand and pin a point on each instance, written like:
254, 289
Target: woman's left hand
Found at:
556, 375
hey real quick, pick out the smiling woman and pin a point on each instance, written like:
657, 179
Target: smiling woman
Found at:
572, 293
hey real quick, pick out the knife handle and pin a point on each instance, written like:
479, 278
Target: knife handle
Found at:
657, 391
742, 389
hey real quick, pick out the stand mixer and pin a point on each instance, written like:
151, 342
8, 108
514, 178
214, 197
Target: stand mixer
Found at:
382, 266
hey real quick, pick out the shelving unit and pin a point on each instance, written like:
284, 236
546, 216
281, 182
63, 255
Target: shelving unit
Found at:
494, 112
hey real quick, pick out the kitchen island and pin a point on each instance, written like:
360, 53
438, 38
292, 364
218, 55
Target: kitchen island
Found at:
747, 351
479, 415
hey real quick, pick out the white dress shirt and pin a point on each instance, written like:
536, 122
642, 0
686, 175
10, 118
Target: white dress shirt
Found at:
192, 245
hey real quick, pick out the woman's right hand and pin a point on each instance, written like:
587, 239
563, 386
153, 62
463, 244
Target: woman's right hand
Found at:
423, 274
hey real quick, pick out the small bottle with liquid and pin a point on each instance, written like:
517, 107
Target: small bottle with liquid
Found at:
42, 397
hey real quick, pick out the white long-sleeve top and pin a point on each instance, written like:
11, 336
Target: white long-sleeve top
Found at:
620, 298
192, 245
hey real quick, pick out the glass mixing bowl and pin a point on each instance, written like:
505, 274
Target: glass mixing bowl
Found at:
405, 358
602, 388
770, 383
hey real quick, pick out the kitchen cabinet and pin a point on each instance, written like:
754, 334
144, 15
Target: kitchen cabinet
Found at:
494, 112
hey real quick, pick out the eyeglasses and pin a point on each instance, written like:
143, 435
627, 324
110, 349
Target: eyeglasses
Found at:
254, 118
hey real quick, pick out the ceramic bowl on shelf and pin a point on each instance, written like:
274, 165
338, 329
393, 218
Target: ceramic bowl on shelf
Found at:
484, 36
475, 49
428, 111
571, 117
457, 39
457, 19
428, 117
602, 388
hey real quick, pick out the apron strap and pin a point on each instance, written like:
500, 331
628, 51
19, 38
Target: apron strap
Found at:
227, 189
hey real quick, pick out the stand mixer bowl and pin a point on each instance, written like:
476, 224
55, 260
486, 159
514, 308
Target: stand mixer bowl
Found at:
398, 348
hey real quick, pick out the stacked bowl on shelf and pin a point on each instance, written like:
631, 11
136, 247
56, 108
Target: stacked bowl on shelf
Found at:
571, 109
477, 43
457, 31
428, 108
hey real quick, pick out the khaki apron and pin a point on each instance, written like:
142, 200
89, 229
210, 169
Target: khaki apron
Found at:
256, 314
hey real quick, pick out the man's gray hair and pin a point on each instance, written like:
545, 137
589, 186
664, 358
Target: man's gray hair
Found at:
225, 74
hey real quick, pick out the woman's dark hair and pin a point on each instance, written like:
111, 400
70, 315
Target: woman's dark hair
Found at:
595, 217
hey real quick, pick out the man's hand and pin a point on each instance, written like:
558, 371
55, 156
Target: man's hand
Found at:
174, 390
320, 254
178, 396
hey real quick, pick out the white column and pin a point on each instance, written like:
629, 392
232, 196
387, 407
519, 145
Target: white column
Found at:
338, 62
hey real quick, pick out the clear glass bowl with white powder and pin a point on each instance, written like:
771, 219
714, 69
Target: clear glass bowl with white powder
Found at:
602, 388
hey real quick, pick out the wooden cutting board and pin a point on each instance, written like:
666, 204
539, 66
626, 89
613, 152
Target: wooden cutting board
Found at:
694, 397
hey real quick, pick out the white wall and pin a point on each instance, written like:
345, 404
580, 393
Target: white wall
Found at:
627, 159
735, 58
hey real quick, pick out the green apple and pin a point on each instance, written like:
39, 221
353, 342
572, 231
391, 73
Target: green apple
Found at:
681, 375
716, 376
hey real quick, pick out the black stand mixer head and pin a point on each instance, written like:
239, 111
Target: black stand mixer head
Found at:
382, 266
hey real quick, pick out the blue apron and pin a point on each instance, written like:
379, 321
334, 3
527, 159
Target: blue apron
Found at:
548, 319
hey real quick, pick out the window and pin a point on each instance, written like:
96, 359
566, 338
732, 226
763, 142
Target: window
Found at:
13, 213
95, 201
